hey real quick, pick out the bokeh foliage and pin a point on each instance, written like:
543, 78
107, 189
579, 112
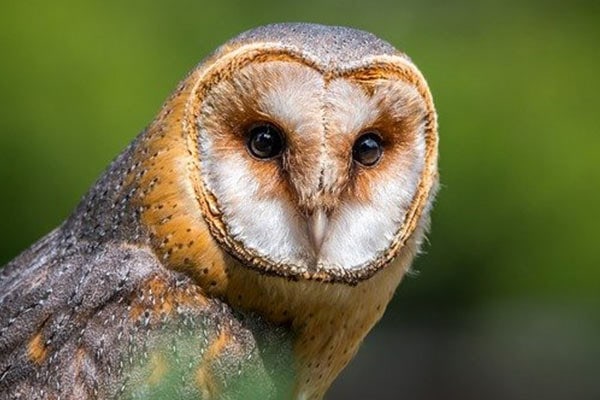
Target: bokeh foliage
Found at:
516, 85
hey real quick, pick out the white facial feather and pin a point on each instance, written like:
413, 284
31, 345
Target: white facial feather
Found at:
292, 98
351, 108
358, 231
269, 226
272, 226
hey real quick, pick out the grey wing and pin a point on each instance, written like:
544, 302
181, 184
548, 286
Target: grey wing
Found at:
114, 323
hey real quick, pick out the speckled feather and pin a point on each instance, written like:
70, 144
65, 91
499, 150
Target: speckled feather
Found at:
142, 287
107, 320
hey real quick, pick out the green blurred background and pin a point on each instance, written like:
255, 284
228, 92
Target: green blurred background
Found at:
504, 302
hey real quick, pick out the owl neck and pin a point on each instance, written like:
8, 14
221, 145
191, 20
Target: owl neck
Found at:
329, 320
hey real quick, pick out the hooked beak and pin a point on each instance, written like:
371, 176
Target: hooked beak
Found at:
317, 228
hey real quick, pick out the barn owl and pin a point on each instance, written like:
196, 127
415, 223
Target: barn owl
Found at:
244, 244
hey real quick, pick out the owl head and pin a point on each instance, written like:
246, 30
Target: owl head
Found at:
317, 150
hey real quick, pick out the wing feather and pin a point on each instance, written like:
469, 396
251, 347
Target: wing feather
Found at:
114, 323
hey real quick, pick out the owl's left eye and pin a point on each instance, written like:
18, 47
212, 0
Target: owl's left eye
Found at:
368, 149
265, 141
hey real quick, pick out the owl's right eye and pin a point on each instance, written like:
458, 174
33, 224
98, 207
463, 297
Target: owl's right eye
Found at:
265, 141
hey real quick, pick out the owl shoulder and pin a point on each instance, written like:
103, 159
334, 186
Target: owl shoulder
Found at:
113, 322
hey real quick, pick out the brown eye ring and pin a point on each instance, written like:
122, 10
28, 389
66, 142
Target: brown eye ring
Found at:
265, 141
368, 149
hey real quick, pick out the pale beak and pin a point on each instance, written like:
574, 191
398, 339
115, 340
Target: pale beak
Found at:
317, 228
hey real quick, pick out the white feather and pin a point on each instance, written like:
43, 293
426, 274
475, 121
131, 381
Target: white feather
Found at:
271, 225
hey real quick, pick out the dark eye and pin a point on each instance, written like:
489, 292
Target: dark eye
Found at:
265, 141
367, 149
